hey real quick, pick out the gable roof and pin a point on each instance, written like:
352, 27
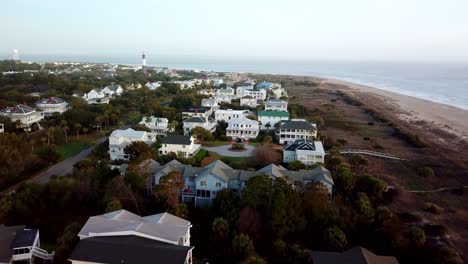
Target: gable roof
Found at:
171, 229
127, 249
274, 113
297, 124
301, 144
24, 238
357, 255
176, 139
242, 120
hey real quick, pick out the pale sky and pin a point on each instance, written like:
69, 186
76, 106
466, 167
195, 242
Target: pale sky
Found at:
327, 29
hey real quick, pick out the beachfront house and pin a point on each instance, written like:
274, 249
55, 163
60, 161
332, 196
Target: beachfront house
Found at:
119, 139
210, 103
22, 114
278, 92
183, 146
276, 105
123, 237
259, 94
96, 96
226, 115
294, 129
269, 119
158, 125
197, 121
19, 244
305, 150
52, 105
201, 184
242, 128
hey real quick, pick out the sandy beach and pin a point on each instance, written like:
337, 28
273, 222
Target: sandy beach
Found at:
448, 118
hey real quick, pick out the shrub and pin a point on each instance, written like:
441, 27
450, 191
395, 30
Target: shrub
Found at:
410, 138
432, 208
435, 230
417, 235
425, 172
370, 123
409, 217
242, 246
336, 238
366, 138
378, 146
237, 146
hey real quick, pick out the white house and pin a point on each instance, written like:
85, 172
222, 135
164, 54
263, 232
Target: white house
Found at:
183, 146
201, 112
122, 235
21, 245
305, 150
248, 101
153, 86
223, 98
209, 92
269, 119
23, 113
294, 129
210, 103
201, 184
52, 105
259, 94
119, 139
279, 92
242, 127
132, 87
96, 96
229, 114
228, 91
197, 121
158, 125
276, 105
113, 90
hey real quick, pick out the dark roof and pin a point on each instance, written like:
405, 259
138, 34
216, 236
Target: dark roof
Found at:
199, 110
195, 119
301, 144
7, 235
24, 238
128, 249
357, 255
176, 139
297, 124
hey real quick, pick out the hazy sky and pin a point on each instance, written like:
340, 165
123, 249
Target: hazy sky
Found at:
334, 29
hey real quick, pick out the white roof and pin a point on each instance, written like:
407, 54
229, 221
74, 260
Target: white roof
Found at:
163, 226
242, 120
130, 133
231, 112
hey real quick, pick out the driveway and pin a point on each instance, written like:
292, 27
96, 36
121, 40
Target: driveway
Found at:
224, 151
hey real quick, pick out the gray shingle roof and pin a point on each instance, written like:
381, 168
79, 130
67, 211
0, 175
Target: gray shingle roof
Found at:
176, 139
296, 124
24, 238
195, 119
7, 235
128, 249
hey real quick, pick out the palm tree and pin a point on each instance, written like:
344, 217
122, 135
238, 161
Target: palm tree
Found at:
268, 126
65, 128
32, 142
77, 127
50, 135
85, 130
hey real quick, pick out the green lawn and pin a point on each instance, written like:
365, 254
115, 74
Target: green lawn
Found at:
73, 148
216, 143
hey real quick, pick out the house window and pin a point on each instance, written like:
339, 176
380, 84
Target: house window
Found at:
203, 183
218, 184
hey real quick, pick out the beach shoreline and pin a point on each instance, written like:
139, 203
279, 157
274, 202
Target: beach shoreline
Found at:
445, 117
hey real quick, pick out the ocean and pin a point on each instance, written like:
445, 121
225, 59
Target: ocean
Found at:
445, 83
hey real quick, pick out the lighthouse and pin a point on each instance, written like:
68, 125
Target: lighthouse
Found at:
143, 63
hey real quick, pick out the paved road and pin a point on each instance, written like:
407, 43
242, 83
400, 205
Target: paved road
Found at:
64, 167
224, 151
60, 169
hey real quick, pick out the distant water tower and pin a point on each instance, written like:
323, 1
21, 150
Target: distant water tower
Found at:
15, 55
143, 63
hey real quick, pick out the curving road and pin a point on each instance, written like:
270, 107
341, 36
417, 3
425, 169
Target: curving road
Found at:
60, 169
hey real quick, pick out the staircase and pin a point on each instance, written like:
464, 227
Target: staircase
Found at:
42, 254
